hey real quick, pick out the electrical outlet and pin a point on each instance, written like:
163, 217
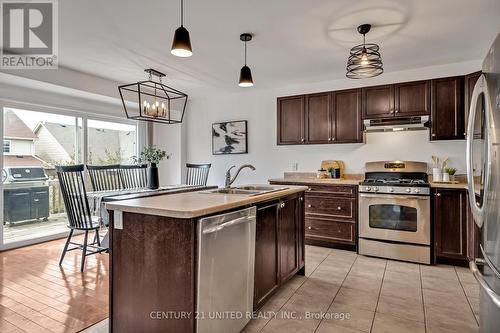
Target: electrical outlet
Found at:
295, 166
118, 219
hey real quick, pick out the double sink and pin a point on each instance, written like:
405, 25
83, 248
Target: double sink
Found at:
249, 190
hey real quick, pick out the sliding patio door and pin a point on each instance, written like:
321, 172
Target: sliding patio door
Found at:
33, 143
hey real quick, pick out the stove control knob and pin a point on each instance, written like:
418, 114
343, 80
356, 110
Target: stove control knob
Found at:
375, 189
408, 190
368, 188
391, 189
416, 190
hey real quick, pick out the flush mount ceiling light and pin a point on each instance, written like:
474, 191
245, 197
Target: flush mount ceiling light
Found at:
153, 101
181, 45
245, 72
364, 60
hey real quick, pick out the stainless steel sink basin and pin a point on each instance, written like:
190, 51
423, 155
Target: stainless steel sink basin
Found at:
265, 188
248, 189
234, 191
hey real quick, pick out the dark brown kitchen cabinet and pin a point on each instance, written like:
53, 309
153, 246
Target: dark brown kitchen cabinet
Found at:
346, 123
331, 215
318, 118
288, 240
267, 278
447, 109
378, 101
291, 120
279, 245
450, 225
470, 82
397, 100
473, 235
412, 98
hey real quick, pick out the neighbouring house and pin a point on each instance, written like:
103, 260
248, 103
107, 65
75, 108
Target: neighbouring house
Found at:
18, 142
56, 144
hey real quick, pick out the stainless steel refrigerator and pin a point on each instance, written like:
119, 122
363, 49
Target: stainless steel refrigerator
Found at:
483, 175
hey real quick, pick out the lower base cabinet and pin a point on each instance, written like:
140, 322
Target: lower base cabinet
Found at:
279, 245
450, 215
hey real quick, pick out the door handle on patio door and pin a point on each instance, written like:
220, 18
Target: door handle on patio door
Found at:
479, 88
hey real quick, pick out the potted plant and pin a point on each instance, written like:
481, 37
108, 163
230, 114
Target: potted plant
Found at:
152, 156
451, 172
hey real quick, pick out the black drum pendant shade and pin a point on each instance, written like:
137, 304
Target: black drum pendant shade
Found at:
181, 45
246, 79
364, 60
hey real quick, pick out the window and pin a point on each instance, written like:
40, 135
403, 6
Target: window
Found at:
6, 146
111, 142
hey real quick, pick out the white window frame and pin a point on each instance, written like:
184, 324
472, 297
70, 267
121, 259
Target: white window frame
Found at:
82, 158
9, 146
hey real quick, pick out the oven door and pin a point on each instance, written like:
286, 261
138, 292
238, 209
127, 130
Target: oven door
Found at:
400, 218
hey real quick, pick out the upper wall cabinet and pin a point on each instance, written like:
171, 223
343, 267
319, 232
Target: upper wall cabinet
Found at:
291, 120
346, 116
447, 109
378, 101
397, 100
318, 118
412, 98
331, 117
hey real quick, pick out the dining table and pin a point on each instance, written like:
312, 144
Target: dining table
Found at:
97, 200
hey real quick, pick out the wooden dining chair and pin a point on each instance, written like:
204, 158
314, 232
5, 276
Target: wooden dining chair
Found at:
134, 176
105, 177
71, 181
197, 174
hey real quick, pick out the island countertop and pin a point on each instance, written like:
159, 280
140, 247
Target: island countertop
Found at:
195, 204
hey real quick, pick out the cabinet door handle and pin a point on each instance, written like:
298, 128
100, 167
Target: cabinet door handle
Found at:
396, 111
391, 112
309, 227
282, 205
301, 198
309, 206
438, 194
333, 139
309, 189
433, 134
302, 140
339, 208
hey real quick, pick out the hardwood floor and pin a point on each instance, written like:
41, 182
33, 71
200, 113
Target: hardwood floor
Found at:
36, 295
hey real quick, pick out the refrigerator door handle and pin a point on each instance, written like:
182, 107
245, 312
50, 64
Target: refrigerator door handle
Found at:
478, 211
482, 282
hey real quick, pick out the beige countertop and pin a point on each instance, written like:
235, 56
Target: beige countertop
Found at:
195, 204
445, 185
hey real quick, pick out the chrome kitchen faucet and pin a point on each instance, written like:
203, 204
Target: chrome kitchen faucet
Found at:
229, 181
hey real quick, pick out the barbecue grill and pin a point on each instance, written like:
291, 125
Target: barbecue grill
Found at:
26, 194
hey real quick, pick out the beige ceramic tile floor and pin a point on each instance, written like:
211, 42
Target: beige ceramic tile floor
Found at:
348, 293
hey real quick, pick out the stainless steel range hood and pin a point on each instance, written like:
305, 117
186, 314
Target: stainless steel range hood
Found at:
396, 124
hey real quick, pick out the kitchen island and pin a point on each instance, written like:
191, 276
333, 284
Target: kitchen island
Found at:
154, 254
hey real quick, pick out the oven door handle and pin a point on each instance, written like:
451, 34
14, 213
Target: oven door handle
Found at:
396, 196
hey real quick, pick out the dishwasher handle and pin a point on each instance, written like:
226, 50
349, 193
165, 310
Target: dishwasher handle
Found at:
219, 227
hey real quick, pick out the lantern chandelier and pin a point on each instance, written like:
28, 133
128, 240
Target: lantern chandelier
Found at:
153, 101
364, 60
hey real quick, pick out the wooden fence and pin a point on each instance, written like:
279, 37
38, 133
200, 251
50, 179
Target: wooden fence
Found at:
56, 203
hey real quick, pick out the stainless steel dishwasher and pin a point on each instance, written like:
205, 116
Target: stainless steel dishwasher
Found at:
226, 260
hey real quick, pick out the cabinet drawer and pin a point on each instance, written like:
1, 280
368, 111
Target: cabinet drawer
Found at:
334, 190
327, 230
330, 206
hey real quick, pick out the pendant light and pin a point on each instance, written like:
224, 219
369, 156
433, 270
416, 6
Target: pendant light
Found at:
181, 45
364, 60
245, 72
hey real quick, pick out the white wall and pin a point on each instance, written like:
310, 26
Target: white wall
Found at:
259, 108
168, 138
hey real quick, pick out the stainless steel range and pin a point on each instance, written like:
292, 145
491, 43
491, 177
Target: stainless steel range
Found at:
394, 211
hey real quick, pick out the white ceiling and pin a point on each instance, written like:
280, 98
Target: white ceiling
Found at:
295, 40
